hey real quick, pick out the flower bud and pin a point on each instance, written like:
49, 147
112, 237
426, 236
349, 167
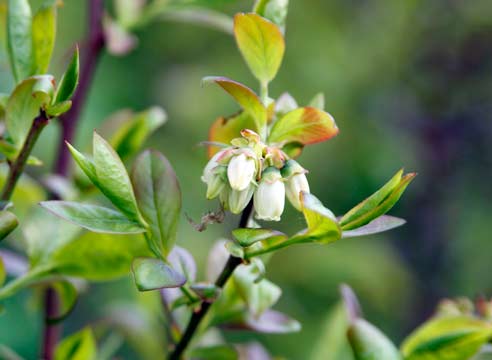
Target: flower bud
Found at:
296, 182
241, 171
269, 198
217, 182
211, 165
239, 199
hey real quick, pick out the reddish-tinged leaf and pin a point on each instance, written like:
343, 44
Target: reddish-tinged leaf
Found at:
223, 130
306, 125
245, 97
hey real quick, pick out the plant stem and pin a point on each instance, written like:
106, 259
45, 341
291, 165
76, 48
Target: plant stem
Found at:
68, 121
197, 317
17, 167
51, 331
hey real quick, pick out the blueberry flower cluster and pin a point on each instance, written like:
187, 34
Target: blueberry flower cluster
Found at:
251, 169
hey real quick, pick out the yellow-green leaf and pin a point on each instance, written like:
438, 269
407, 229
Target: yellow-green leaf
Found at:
43, 37
223, 130
447, 338
306, 125
78, 346
261, 43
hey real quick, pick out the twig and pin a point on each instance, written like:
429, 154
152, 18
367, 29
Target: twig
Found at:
197, 317
17, 167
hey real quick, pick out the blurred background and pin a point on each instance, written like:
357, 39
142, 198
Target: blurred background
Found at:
409, 84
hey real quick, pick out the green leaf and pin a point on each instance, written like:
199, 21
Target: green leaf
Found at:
152, 274
223, 130
69, 80
261, 43
24, 104
113, 180
56, 110
44, 233
216, 352
259, 296
377, 204
248, 236
86, 164
158, 197
8, 222
245, 97
19, 37
322, 225
100, 257
306, 126
92, 217
273, 10
67, 295
378, 225
78, 346
131, 132
322, 228
182, 260
369, 343
43, 37
447, 338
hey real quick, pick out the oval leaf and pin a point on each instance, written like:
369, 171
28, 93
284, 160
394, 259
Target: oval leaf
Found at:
100, 257
152, 274
19, 37
447, 337
24, 105
92, 217
261, 43
158, 197
306, 125
43, 37
113, 180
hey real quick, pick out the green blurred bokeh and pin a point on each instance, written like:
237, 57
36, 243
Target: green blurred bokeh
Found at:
409, 84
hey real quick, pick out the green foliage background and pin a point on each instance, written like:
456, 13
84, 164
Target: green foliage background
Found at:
408, 83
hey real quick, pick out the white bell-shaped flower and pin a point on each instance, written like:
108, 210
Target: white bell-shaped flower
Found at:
238, 200
241, 171
296, 182
269, 199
